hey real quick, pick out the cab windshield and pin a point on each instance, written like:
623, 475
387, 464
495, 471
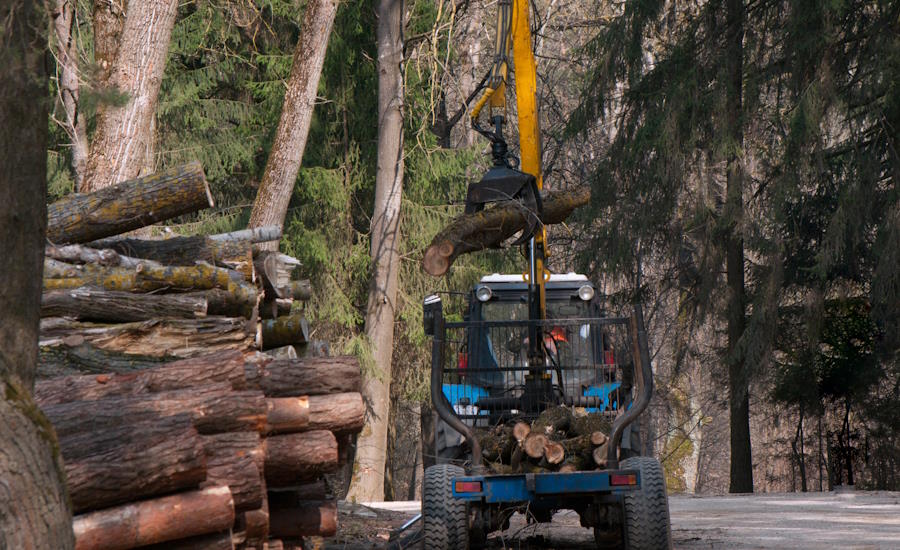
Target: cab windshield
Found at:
568, 344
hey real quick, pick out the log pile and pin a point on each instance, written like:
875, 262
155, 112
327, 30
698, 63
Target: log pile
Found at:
175, 428
556, 441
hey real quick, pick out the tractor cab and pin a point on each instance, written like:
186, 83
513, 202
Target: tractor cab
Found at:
487, 377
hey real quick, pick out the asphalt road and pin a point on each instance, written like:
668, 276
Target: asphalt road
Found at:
858, 520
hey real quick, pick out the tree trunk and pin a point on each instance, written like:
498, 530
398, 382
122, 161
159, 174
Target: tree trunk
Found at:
214, 408
491, 227
123, 143
155, 521
129, 205
165, 337
34, 509
66, 49
738, 376
221, 367
297, 458
312, 518
310, 376
86, 304
115, 464
367, 483
283, 164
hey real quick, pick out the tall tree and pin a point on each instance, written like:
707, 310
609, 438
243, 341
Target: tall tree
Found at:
68, 84
34, 508
278, 181
371, 445
123, 144
738, 378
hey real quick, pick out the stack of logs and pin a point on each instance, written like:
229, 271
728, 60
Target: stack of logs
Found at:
141, 301
175, 428
557, 441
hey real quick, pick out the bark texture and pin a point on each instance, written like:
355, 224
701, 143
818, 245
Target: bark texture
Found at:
232, 462
165, 337
61, 359
224, 366
490, 227
123, 143
367, 483
113, 465
292, 459
34, 509
214, 408
340, 412
180, 250
306, 376
283, 164
65, 48
129, 205
287, 414
101, 305
156, 521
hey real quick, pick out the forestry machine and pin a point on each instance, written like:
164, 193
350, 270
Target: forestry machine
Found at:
530, 346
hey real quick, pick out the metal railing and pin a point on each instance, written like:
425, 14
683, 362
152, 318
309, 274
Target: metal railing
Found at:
485, 373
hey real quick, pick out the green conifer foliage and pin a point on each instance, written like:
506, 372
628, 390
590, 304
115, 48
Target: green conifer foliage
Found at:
820, 120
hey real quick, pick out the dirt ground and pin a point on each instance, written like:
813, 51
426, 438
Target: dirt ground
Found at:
858, 520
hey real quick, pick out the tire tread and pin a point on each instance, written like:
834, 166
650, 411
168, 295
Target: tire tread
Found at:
647, 510
445, 519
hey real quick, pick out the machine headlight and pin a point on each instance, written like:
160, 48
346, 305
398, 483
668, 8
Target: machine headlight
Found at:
483, 293
586, 292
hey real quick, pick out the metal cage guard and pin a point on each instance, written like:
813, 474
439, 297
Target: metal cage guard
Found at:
643, 375
439, 401
632, 329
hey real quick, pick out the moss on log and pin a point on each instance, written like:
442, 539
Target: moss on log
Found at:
79, 218
283, 331
88, 304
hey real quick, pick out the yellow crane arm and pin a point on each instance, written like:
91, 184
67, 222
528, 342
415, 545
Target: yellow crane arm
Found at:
514, 34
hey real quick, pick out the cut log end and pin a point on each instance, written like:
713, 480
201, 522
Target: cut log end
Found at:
554, 453
534, 445
521, 431
599, 454
598, 438
436, 261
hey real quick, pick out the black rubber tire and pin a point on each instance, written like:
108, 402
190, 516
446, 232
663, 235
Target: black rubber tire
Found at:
445, 524
647, 510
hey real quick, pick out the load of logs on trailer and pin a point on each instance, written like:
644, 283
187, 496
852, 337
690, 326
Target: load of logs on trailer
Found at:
558, 440
191, 409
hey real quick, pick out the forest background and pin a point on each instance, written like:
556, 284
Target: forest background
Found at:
743, 159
